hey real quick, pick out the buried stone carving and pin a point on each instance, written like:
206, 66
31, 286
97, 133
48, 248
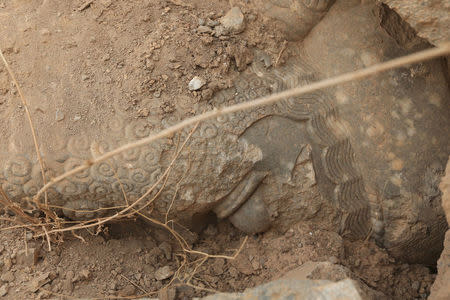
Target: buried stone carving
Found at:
366, 156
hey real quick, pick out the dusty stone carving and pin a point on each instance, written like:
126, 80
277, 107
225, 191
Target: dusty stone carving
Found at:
298, 16
380, 147
441, 288
373, 151
430, 19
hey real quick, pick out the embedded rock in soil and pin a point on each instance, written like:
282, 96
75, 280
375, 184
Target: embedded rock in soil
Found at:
3, 290
441, 286
196, 83
163, 273
233, 21
297, 289
430, 19
332, 272
27, 257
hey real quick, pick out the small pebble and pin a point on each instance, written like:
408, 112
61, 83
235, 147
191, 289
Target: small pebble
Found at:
220, 31
204, 29
233, 20
211, 23
415, 286
163, 273
333, 259
7, 263
166, 248
7, 277
196, 83
59, 115
45, 32
3, 290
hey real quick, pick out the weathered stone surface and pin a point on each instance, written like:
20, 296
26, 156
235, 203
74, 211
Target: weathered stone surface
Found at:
297, 289
441, 287
401, 190
430, 19
332, 272
297, 17
445, 189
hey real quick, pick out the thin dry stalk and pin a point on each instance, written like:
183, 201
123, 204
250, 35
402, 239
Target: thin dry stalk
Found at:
33, 131
4, 199
283, 47
176, 191
31, 226
48, 239
199, 288
333, 81
136, 285
79, 237
171, 202
25, 241
222, 256
88, 210
116, 176
201, 262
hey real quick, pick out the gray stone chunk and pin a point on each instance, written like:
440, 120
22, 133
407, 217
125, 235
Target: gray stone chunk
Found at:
233, 21
3, 290
163, 273
430, 19
296, 289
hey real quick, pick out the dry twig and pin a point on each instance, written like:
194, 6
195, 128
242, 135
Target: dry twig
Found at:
33, 131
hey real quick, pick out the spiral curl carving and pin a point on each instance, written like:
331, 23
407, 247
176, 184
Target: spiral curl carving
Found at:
18, 170
79, 146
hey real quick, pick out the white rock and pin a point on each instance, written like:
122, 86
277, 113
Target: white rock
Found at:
233, 20
196, 83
